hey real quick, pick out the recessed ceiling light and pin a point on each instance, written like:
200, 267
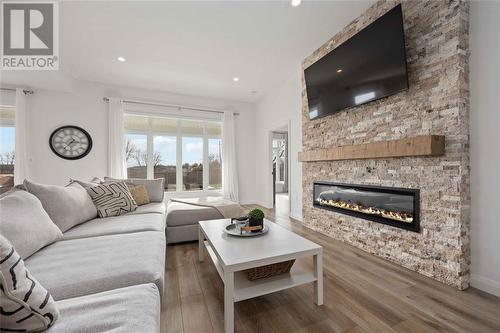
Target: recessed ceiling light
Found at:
339, 70
236, 79
121, 59
295, 3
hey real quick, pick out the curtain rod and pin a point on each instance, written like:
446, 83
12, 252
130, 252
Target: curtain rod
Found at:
25, 91
180, 107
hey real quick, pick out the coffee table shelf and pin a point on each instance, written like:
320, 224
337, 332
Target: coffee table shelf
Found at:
246, 289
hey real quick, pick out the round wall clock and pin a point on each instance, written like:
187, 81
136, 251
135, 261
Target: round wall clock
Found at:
70, 142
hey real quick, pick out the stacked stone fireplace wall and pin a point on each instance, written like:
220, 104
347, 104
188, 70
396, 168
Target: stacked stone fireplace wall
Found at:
437, 102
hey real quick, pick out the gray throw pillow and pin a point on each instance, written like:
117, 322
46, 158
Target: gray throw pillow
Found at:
154, 187
112, 199
25, 223
67, 206
26, 305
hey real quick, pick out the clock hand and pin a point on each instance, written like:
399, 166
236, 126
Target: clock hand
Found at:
68, 145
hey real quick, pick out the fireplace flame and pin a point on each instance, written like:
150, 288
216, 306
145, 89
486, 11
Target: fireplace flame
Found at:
397, 216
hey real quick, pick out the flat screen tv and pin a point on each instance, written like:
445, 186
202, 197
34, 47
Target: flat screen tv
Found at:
368, 66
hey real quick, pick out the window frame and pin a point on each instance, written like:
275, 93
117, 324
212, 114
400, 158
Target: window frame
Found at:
150, 134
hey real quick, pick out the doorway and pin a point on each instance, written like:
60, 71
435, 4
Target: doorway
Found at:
280, 171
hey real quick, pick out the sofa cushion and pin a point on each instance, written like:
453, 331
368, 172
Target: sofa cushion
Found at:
25, 223
154, 207
85, 266
67, 206
154, 187
26, 305
112, 199
179, 213
124, 310
123, 224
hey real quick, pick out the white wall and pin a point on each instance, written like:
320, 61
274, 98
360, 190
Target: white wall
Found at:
280, 107
485, 138
7, 98
84, 107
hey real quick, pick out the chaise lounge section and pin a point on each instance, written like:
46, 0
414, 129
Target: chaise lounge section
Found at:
182, 220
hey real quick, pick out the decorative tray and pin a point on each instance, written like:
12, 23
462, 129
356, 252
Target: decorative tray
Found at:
235, 230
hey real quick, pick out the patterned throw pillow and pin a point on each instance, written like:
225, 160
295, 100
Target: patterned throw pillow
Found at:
140, 194
26, 305
112, 199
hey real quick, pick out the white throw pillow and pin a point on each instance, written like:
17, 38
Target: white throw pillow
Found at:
67, 206
26, 305
25, 223
112, 199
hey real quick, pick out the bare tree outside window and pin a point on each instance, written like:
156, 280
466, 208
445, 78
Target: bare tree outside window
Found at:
7, 158
135, 155
130, 150
141, 158
7, 171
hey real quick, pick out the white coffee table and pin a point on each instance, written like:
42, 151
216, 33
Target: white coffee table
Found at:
231, 255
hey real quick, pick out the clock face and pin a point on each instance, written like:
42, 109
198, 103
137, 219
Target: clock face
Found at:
70, 142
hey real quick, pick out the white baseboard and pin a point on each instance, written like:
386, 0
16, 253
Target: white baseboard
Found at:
247, 202
488, 285
296, 217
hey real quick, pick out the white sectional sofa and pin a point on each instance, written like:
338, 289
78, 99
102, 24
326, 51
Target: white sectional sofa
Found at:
106, 274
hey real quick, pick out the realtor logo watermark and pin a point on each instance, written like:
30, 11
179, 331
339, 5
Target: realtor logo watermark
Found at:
30, 36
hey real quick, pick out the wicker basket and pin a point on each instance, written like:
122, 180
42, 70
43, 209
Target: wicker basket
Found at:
269, 270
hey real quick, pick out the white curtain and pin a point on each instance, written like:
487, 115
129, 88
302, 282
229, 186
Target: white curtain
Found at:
21, 155
229, 167
116, 148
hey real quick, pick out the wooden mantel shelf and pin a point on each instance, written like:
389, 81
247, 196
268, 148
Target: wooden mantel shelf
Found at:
427, 145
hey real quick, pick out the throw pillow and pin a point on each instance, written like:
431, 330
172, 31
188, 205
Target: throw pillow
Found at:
67, 206
25, 223
26, 305
154, 187
140, 194
112, 199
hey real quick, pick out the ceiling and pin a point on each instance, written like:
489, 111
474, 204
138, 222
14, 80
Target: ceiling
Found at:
189, 47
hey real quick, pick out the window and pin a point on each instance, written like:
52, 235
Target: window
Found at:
215, 163
164, 156
192, 163
185, 152
136, 155
7, 148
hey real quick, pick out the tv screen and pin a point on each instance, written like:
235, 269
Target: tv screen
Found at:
368, 66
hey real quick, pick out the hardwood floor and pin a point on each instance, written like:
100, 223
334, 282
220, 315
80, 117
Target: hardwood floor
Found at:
363, 294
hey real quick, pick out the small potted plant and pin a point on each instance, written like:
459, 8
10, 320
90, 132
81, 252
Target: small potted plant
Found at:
256, 219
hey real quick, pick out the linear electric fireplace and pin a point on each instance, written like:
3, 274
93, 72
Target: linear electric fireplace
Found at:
398, 207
